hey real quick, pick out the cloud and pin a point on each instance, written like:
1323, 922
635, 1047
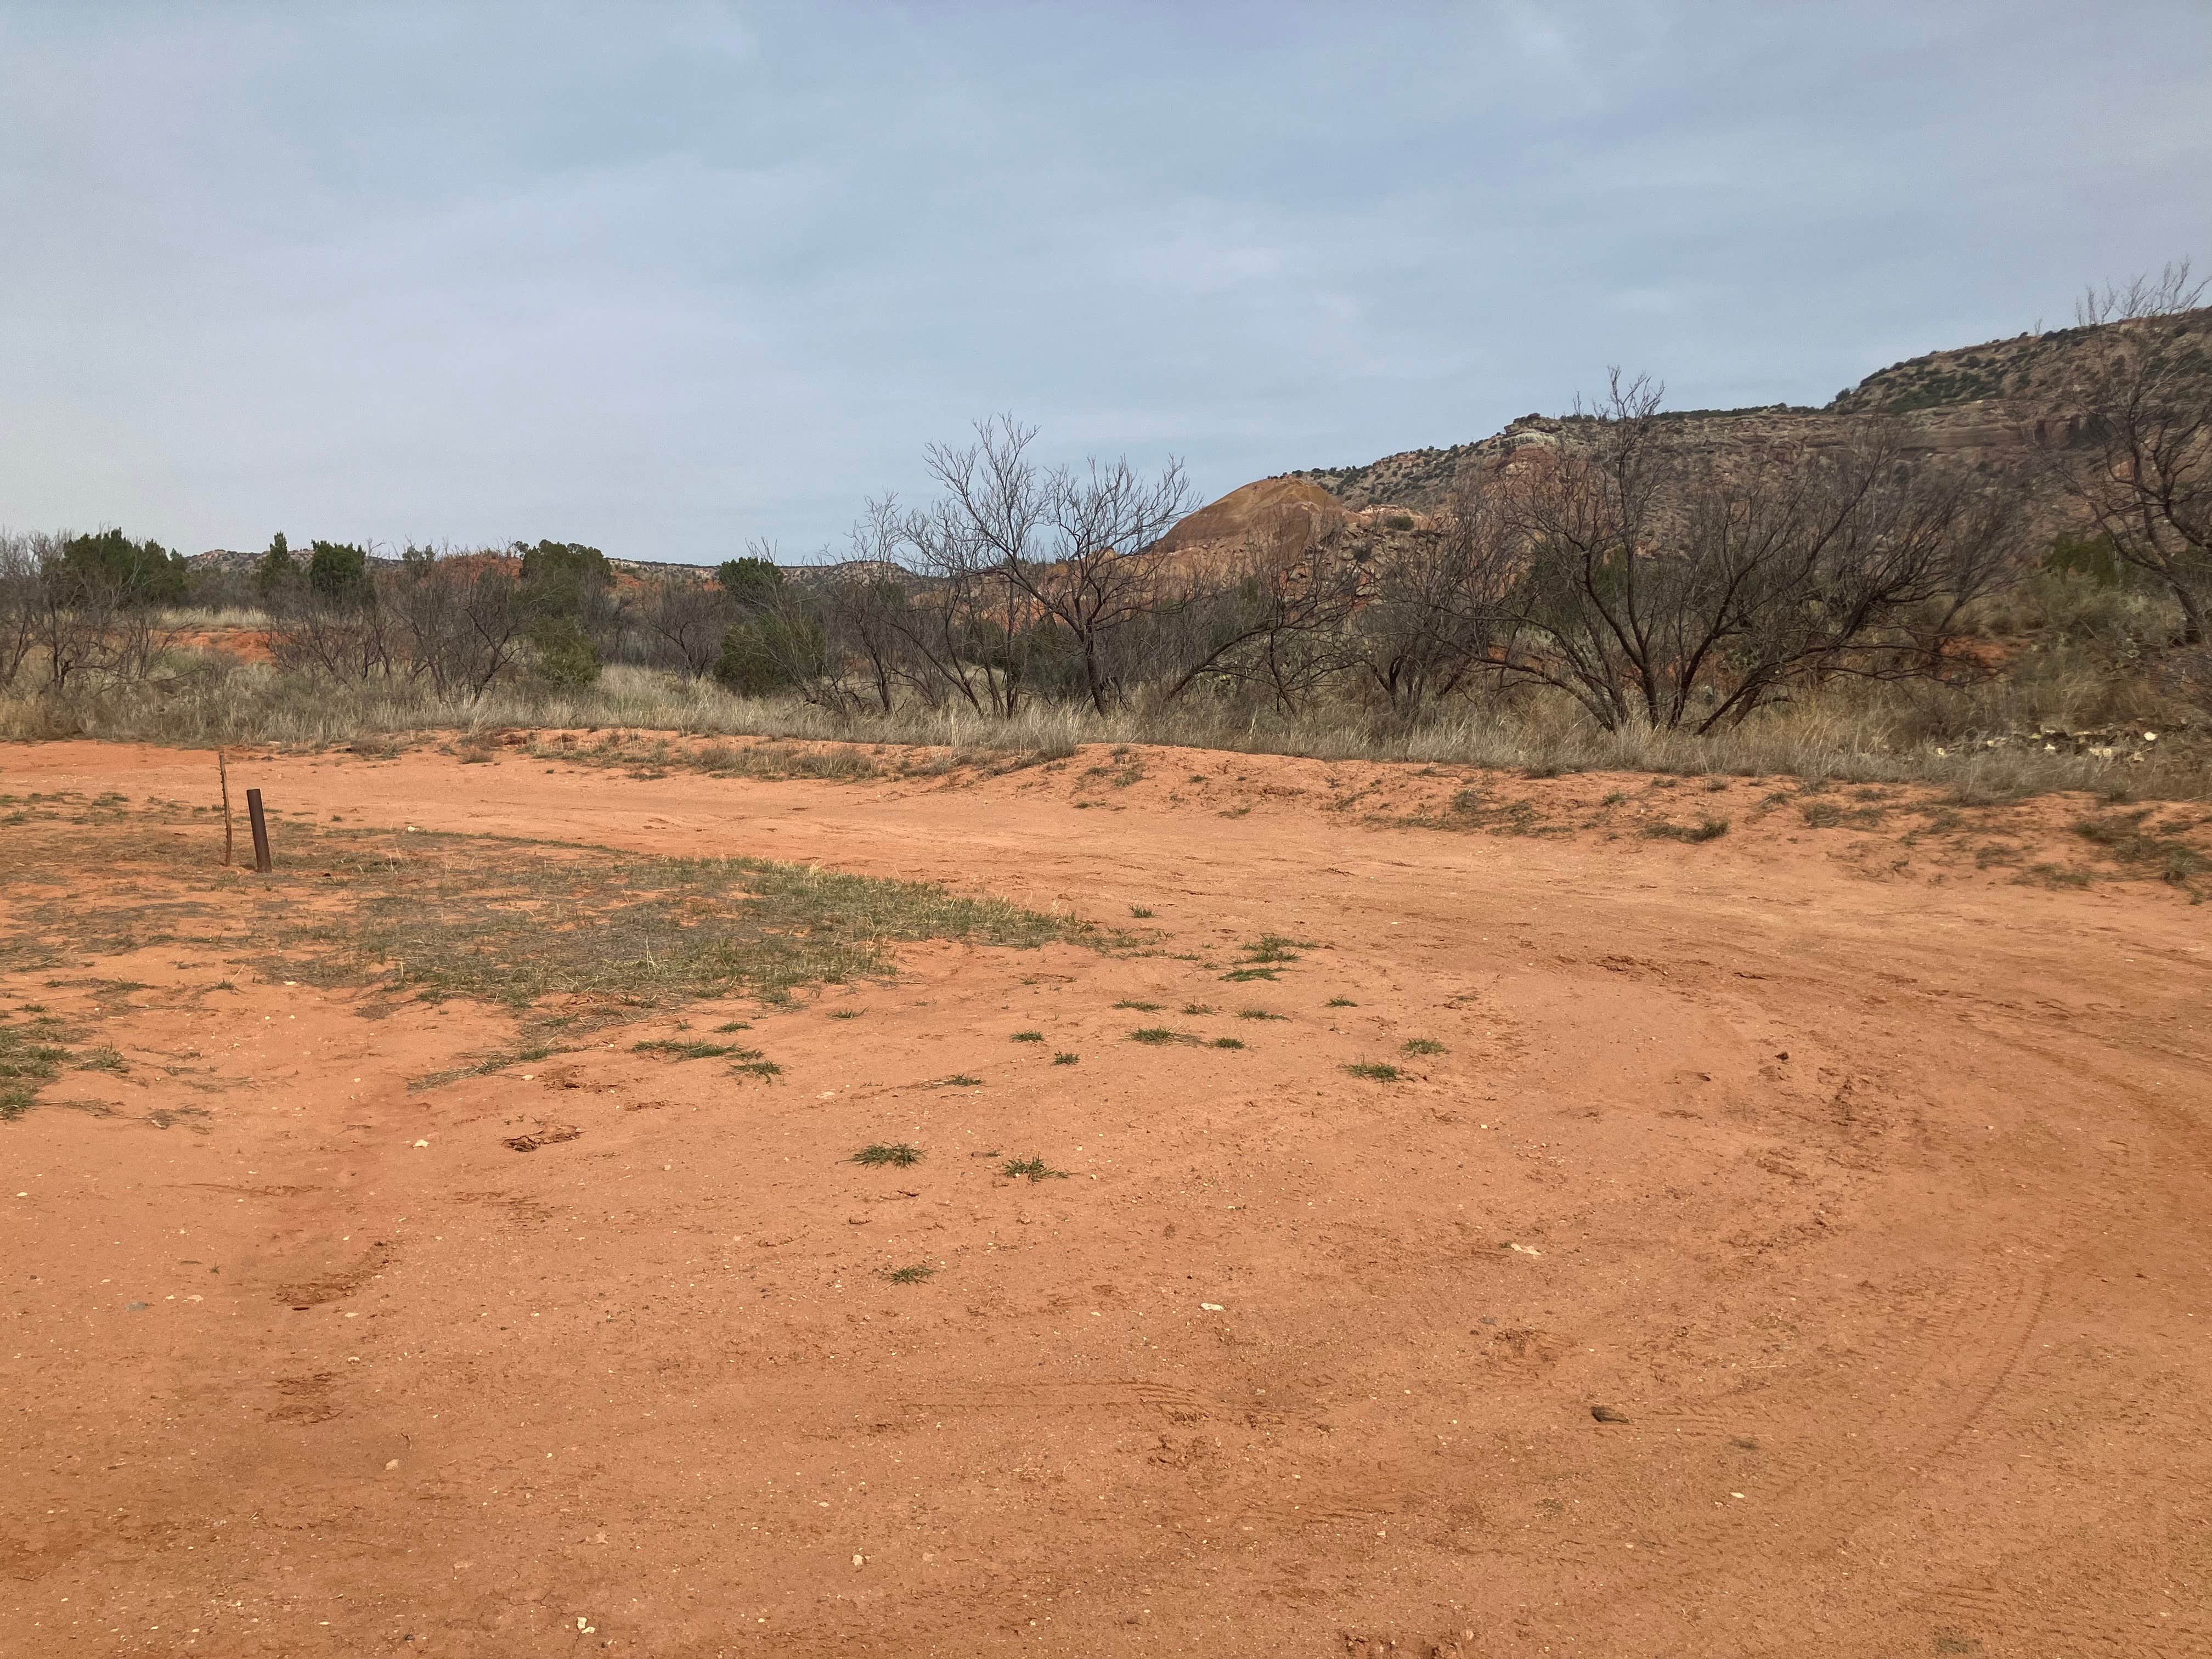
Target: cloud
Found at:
665, 277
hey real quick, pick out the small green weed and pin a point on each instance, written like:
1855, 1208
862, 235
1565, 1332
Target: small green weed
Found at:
1246, 976
1228, 1042
678, 1048
763, 1068
1376, 1070
913, 1275
1029, 1037
1157, 1035
1140, 913
1066, 1060
1199, 1008
1340, 1002
1031, 1169
961, 1080
1139, 1007
899, 1155
1423, 1046
1258, 1013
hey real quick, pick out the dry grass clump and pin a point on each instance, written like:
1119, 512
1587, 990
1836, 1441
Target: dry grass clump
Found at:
1989, 741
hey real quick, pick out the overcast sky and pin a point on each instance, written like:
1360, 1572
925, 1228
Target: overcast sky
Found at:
663, 277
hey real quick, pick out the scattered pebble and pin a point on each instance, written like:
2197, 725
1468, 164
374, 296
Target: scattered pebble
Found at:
1211, 1307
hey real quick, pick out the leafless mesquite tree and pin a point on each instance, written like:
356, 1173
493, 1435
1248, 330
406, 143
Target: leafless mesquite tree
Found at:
461, 620
684, 619
2131, 444
76, 620
1077, 548
1662, 591
19, 606
1278, 625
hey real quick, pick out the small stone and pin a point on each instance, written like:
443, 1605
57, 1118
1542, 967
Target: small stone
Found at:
1211, 1307
856, 1560
1607, 1414
394, 1464
422, 1142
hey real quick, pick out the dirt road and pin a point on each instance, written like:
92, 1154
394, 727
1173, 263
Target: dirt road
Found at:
1766, 1249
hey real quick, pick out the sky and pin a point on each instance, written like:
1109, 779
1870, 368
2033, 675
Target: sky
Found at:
668, 278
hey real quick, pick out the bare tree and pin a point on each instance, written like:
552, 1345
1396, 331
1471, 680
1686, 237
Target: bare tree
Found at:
95, 632
1436, 600
462, 619
2131, 442
1662, 594
685, 619
20, 606
1076, 550
1261, 620
2169, 294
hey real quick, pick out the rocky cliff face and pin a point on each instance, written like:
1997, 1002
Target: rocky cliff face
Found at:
1977, 407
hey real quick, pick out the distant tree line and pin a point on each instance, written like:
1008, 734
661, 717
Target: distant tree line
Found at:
1605, 562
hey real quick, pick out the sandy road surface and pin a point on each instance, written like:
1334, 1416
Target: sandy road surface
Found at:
1877, 1214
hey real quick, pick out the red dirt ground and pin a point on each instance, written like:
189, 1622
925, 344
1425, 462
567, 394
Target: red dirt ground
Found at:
1864, 1186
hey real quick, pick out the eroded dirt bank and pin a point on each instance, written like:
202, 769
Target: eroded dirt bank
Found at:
1767, 1249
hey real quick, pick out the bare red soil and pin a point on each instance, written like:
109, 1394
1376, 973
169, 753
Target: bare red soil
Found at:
1801, 1246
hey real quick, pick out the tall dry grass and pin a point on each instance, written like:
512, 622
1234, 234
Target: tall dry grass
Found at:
1992, 741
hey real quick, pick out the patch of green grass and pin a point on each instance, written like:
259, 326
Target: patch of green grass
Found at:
846, 1013
960, 1080
1246, 976
1275, 947
761, 1068
734, 1025
506, 920
1711, 829
678, 1048
1031, 1169
498, 1061
1199, 1008
1139, 1007
1157, 1035
102, 1058
913, 1275
1423, 1046
2132, 840
1066, 1060
1258, 1013
1374, 1071
1613, 798
1340, 1002
1140, 913
1228, 1042
28, 1061
1029, 1037
899, 1155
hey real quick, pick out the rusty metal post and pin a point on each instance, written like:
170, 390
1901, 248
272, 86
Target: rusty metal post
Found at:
260, 831
223, 773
